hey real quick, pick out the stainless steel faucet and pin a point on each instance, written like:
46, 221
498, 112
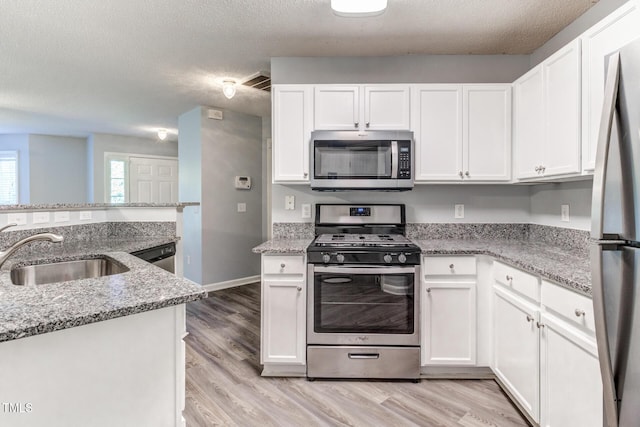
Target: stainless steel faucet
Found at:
51, 237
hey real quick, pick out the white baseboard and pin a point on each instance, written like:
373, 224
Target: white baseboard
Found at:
231, 283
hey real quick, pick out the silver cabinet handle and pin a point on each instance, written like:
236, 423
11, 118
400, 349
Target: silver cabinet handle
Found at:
428, 290
306, 174
467, 174
461, 175
537, 169
540, 325
451, 266
529, 318
543, 168
299, 288
356, 124
509, 278
282, 265
579, 312
367, 124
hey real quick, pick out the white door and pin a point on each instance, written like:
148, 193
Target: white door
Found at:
153, 180
516, 351
336, 107
562, 111
386, 107
486, 132
449, 323
528, 115
570, 382
437, 127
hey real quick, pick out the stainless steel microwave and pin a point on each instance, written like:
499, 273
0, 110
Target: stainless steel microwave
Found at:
354, 160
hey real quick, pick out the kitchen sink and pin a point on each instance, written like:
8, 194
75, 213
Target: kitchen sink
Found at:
63, 271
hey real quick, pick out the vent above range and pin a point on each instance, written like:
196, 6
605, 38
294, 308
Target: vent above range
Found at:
259, 81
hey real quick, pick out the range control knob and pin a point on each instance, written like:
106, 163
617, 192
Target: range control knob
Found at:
340, 258
402, 258
387, 258
326, 258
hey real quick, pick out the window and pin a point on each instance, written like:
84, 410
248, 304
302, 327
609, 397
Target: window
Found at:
117, 181
8, 177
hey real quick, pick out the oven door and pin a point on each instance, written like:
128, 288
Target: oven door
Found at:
363, 305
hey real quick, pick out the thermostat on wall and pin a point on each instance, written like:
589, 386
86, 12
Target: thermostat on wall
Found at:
243, 182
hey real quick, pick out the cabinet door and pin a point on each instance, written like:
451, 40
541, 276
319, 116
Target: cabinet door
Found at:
437, 127
571, 386
386, 107
607, 36
292, 118
336, 107
516, 351
562, 111
449, 323
486, 132
283, 322
528, 116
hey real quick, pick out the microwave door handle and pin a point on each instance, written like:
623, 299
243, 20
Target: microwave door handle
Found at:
394, 159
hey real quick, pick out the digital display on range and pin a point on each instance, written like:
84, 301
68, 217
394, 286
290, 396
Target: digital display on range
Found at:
360, 211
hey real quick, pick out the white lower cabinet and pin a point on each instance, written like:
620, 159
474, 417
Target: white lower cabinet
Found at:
283, 337
516, 348
449, 322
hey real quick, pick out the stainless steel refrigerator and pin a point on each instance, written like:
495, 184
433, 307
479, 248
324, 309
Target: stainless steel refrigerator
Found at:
615, 256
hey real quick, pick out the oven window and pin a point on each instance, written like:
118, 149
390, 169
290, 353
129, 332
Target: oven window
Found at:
344, 160
364, 303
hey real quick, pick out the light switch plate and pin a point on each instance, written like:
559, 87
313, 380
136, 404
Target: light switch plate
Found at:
41, 217
289, 203
242, 207
458, 211
61, 216
564, 213
17, 218
306, 210
85, 215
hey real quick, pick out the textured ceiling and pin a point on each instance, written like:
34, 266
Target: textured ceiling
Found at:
131, 66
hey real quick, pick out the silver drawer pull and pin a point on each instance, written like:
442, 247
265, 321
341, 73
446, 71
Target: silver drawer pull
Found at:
451, 266
509, 278
579, 312
299, 288
529, 318
540, 325
364, 355
282, 265
429, 290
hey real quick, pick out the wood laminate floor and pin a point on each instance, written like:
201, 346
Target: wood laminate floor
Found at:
224, 386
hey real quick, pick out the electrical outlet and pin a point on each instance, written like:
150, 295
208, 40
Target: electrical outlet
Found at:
289, 203
306, 210
17, 218
41, 217
458, 211
242, 207
61, 216
564, 213
188, 259
85, 215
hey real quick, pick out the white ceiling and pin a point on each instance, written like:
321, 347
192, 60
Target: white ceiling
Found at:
76, 67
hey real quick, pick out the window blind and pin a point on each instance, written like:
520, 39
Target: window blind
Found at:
8, 177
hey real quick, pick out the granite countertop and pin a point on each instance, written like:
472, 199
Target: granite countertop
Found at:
33, 310
569, 269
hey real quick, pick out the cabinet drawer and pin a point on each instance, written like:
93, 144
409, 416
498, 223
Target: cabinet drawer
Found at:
283, 264
449, 266
517, 280
571, 306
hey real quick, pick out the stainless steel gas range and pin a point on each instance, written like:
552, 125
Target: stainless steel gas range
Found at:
363, 294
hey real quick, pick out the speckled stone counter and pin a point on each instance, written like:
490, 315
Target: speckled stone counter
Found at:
567, 268
296, 246
33, 310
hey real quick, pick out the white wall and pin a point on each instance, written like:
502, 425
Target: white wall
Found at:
546, 201
58, 169
100, 143
19, 143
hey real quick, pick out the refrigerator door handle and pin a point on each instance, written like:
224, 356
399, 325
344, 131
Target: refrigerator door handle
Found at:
604, 140
602, 339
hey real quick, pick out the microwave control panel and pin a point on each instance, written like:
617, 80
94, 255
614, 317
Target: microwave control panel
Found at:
404, 163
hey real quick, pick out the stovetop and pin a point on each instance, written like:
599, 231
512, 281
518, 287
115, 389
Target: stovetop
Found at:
362, 240
370, 249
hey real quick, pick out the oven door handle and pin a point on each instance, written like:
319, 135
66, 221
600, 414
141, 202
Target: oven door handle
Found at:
374, 269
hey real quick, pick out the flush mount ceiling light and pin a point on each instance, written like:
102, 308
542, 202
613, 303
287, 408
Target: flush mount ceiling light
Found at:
162, 134
229, 88
358, 8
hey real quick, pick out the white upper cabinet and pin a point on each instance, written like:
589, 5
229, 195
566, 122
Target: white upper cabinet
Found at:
462, 132
342, 107
528, 116
437, 126
607, 36
292, 122
486, 132
547, 116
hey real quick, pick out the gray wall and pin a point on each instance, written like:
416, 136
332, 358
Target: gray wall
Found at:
266, 177
227, 148
100, 143
546, 200
58, 169
19, 143
399, 69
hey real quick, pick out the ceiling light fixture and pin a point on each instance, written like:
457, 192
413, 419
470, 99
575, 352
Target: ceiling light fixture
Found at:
229, 88
358, 8
162, 134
